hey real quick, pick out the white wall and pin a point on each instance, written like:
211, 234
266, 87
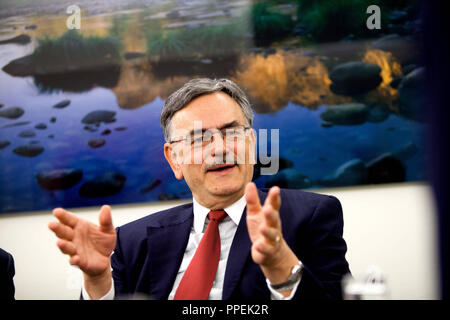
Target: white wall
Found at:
394, 228
390, 226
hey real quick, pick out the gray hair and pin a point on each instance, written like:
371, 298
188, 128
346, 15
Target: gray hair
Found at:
197, 87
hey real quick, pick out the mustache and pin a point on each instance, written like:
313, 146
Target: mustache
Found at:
221, 161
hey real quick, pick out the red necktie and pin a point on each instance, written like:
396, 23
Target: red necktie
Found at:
199, 276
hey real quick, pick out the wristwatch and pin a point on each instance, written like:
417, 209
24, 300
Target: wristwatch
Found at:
296, 274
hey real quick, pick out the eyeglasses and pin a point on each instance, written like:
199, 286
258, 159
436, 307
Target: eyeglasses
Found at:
204, 138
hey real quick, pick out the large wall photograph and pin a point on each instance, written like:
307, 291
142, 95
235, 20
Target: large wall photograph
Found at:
82, 86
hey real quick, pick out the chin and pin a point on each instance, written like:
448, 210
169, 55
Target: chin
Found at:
224, 190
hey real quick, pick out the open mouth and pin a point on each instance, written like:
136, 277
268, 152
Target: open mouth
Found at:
222, 168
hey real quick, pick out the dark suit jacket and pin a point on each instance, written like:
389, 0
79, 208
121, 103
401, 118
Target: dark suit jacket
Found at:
6, 276
149, 251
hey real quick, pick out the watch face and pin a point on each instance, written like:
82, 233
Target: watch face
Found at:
295, 269
295, 273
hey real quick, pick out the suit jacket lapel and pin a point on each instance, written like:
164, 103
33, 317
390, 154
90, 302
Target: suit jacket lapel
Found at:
239, 253
167, 242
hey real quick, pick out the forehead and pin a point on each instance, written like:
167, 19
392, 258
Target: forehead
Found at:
213, 110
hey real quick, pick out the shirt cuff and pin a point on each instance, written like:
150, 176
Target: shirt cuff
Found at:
108, 296
275, 295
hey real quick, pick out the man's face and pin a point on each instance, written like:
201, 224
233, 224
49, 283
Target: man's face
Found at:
207, 169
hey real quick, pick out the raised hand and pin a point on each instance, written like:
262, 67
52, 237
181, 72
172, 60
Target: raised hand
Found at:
88, 245
264, 224
269, 249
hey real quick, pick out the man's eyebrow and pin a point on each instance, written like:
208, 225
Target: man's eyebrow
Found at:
231, 124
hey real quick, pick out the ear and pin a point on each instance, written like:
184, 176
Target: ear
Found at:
173, 158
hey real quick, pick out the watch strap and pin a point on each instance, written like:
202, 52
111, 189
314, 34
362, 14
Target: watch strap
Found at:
296, 273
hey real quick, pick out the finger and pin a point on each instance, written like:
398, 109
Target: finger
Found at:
270, 234
105, 219
74, 260
62, 231
263, 247
252, 198
65, 217
273, 198
66, 247
271, 216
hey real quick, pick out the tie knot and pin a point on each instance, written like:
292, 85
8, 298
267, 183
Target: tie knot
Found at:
217, 215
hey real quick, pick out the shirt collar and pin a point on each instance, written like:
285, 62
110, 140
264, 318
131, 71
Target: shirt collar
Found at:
234, 211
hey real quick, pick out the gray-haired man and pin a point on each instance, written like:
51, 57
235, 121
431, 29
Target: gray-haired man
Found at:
227, 244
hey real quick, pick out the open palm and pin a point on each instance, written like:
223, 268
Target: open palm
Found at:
88, 245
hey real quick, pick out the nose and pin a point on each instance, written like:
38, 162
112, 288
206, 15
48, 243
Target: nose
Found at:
217, 145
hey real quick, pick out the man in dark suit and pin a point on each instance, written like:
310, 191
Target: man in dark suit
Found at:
227, 244
6, 276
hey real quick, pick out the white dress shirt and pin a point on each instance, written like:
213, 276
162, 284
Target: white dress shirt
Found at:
227, 229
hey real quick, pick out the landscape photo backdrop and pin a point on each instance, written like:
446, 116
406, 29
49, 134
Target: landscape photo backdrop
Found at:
80, 108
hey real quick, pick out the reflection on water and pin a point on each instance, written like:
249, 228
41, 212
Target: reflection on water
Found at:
390, 70
113, 73
275, 80
138, 86
77, 81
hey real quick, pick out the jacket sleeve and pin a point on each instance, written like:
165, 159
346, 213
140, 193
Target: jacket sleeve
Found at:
324, 257
7, 272
119, 269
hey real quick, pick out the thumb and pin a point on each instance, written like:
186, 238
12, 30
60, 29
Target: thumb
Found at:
105, 219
